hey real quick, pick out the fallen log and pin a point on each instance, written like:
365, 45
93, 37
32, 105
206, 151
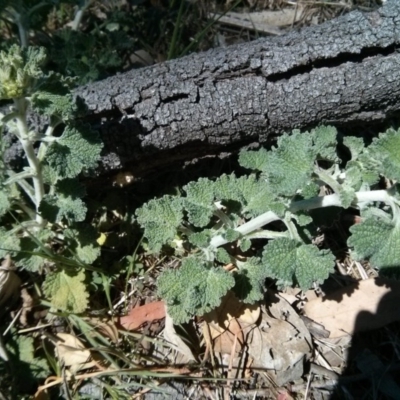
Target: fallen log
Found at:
343, 72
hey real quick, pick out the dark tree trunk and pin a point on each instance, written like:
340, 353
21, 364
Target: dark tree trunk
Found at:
344, 72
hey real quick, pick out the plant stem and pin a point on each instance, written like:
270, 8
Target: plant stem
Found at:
334, 200
25, 186
327, 179
308, 204
77, 20
266, 234
23, 34
37, 179
248, 227
26, 209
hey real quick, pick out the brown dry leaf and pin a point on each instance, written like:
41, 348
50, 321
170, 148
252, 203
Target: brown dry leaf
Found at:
366, 305
281, 342
249, 314
41, 395
142, 314
106, 328
281, 18
224, 342
229, 320
231, 307
261, 21
176, 342
9, 282
291, 295
333, 352
72, 353
27, 306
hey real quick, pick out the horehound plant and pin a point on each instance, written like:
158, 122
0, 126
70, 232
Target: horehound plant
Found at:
216, 222
42, 202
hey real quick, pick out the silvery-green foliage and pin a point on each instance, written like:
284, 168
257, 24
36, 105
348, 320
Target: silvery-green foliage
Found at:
219, 219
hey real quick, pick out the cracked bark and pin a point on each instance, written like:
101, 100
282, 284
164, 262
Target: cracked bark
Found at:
344, 72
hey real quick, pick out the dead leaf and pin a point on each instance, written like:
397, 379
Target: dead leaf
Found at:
177, 343
228, 321
366, 305
41, 395
333, 353
27, 306
225, 342
281, 342
72, 353
142, 314
9, 282
106, 328
291, 295
231, 307
262, 21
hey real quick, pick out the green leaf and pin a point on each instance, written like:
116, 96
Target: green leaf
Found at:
53, 97
160, 219
245, 244
50, 176
19, 69
255, 195
9, 243
34, 256
223, 256
77, 149
82, 243
26, 354
226, 188
368, 167
355, 145
291, 262
251, 195
303, 218
231, 235
291, 164
310, 190
66, 203
201, 239
354, 176
249, 281
194, 289
199, 201
324, 142
56, 207
254, 160
4, 201
27, 368
386, 149
66, 290
288, 168
61, 105
377, 240
347, 195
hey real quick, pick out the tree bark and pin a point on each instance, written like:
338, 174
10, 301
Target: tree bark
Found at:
346, 71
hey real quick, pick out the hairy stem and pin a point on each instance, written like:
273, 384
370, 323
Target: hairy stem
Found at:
326, 178
79, 15
308, 204
248, 227
37, 178
23, 34
24, 185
